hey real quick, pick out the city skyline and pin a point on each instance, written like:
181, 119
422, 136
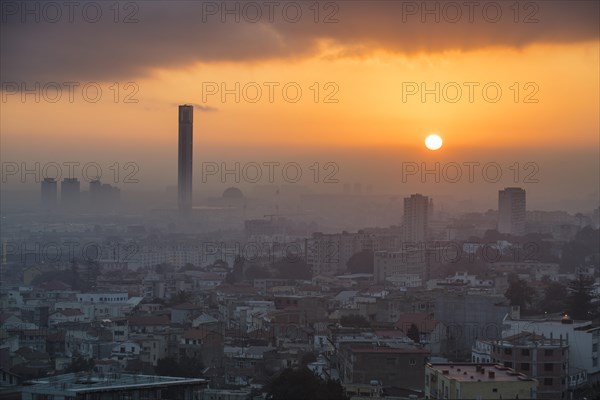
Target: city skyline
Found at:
299, 200
375, 113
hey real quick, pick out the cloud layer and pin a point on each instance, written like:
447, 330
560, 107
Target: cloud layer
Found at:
82, 44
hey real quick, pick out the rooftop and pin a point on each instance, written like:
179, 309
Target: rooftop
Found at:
470, 372
82, 383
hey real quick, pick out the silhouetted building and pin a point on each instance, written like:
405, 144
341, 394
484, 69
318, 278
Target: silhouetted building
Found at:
185, 161
416, 216
511, 211
103, 196
70, 193
49, 193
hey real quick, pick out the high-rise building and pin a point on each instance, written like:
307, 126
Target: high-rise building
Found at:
49, 193
511, 211
70, 193
185, 161
416, 216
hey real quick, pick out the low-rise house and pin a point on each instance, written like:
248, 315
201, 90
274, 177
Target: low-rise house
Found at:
66, 315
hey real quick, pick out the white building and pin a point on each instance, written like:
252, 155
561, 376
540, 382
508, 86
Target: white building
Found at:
583, 339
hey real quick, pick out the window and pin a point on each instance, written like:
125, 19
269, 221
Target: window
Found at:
525, 366
594, 361
508, 364
508, 351
412, 361
525, 352
547, 381
495, 390
548, 352
548, 367
595, 347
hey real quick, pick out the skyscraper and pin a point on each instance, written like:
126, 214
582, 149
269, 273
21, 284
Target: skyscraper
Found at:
70, 193
511, 211
49, 193
416, 216
185, 162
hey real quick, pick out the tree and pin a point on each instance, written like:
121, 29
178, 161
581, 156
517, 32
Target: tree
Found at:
185, 367
519, 292
255, 271
554, 297
79, 364
361, 262
308, 358
354, 320
302, 384
583, 247
292, 269
414, 334
580, 298
181, 297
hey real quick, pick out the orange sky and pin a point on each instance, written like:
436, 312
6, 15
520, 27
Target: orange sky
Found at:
366, 58
370, 110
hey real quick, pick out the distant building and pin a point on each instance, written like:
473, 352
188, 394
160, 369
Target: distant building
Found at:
122, 386
469, 317
185, 158
511, 211
70, 193
408, 267
103, 196
328, 254
476, 381
416, 216
49, 194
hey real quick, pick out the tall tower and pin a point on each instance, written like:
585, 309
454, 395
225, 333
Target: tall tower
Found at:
511, 211
185, 162
70, 193
416, 217
49, 194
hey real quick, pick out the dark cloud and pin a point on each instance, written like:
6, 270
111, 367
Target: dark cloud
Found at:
172, 33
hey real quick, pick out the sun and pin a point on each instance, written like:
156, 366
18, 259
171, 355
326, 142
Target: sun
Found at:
433, 142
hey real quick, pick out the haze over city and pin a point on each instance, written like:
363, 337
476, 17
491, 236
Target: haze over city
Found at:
408, 184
